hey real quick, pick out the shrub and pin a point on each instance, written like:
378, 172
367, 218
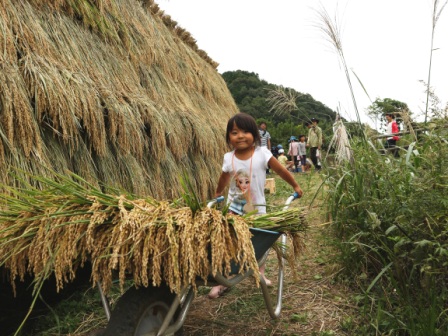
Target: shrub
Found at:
391, 217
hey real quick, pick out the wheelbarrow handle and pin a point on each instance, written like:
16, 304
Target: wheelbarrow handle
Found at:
291, 198
218, 199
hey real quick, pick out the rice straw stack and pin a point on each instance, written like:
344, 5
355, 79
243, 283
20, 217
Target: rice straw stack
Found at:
114, 91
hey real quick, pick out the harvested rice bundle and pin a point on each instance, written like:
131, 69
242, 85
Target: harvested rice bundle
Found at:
291, 222
58, 228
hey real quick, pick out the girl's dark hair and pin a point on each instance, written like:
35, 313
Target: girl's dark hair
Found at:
390, 115
246, 123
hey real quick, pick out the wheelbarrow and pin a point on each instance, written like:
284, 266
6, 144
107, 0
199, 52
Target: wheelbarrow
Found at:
156, 311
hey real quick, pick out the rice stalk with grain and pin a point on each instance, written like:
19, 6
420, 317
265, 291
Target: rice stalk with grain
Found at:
66, 222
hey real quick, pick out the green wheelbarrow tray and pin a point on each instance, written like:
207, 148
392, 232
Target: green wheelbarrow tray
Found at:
262, 240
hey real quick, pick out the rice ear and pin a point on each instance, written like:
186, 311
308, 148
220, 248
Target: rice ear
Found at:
68, 222
113, 88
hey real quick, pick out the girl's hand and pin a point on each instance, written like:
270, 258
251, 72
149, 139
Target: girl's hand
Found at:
299, 191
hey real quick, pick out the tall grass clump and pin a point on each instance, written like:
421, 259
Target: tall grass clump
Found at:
437, 10
331, 32
391, 218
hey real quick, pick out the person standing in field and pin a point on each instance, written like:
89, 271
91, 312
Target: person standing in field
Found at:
392, 128
293, 152
248, 156
302, 152
314, 141
265, 138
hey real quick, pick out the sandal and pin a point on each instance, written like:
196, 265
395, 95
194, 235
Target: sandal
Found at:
217, 291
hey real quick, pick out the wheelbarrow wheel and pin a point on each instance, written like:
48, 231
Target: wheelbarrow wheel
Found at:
141, 312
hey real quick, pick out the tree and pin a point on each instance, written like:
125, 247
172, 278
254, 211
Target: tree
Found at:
381, 107
251, 95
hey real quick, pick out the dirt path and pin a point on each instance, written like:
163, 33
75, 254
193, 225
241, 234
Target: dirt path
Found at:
313, 304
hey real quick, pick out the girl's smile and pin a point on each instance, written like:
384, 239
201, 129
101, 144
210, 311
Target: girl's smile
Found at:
241, 140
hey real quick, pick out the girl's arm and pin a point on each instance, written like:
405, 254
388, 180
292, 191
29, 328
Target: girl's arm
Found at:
284, 174
223, 181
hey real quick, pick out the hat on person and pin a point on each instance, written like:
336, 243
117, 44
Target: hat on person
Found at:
314, 120
281, 151
293, 138
279, 146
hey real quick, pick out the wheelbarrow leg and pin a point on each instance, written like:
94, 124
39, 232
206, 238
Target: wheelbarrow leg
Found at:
104, 301
185, 299
274, 312
169, 316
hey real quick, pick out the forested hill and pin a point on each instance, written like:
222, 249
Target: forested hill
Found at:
251, 95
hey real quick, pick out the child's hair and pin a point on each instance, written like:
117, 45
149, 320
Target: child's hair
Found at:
390, 115
302, 136
246, 123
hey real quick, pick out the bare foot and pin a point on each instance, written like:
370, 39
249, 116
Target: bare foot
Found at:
216, 292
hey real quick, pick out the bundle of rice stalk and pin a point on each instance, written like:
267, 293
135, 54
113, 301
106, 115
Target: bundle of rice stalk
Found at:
66, 222
291, 222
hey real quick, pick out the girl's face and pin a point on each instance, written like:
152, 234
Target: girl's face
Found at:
243, 183
302, 139
241, 139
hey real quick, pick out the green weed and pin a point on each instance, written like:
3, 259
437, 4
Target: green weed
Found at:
390, 217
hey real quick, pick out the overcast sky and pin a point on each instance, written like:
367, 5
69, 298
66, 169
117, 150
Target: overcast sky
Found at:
386, 43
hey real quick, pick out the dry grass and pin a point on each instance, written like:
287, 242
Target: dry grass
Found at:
111, 92
282, 101
341, 143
